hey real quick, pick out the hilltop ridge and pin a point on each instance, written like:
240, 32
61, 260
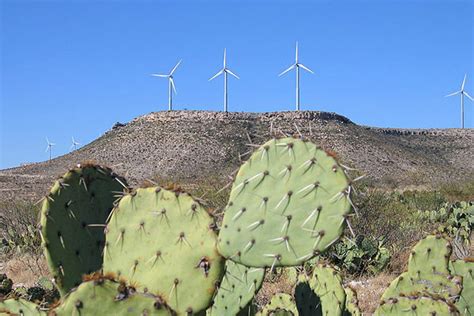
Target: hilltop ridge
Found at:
193, 145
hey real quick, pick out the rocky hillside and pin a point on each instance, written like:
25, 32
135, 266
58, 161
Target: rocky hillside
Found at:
193, 145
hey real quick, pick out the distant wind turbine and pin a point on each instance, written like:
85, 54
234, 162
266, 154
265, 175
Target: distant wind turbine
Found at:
462, 93
49, 147
297, 65
171, 86
74, 144
224, 71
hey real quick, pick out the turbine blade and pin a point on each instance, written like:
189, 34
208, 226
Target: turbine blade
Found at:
217, 74
162, 76
467, 95
463, 82
174, 68
72, 146
173, 86
454, 93
230, 72
47, 147
296, 55
47, 140
289, 68
225, 53
306, 68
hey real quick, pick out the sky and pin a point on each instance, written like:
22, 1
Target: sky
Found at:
74, 68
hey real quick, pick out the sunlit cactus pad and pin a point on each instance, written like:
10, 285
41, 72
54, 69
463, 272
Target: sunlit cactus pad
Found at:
281, 304
163, 242
105, 297
237, 289
465, 269
327, 284
427, 272
415, 305
72, 222
20, 307
289, 201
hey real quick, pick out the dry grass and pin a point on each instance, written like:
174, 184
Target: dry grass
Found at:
25, 269
369, 291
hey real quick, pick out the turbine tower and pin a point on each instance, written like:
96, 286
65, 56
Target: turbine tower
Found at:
224, 71
49, 147
171, 86
297, 65
462, 93
74, 144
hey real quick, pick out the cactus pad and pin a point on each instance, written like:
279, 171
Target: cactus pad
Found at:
289, 202
415, 305
465, 268
327, 284
280, 304
164, 242
307, 302
427, 272
20, 307
102, 296
237, 289
72, 222
352, 303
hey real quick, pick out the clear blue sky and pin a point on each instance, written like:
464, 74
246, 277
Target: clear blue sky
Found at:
77, 67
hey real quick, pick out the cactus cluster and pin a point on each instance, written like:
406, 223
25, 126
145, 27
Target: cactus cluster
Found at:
153, 251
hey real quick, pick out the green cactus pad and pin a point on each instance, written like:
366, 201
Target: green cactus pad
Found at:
20, 307
415, 305
237, 289
72, 222
289, 202
352, 303
164, 242
307, 302
327, 284
465, 269
280, 304
427, 272
105, 297
431, 253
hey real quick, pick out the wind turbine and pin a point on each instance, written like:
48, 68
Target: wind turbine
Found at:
297, 65
224, 71
171, 86
462, 93
74, 144
49, 147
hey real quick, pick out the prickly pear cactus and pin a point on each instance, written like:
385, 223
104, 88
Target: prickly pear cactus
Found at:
73, 219
465, 268
289, 202
427, 272
102, 296
327, 285
415, 305
307, 302
237, 289
20, 307
352, 303
164, 242
280, 304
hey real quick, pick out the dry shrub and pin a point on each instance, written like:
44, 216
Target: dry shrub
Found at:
25, 269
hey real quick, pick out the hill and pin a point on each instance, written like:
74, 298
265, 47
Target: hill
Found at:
190, 146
